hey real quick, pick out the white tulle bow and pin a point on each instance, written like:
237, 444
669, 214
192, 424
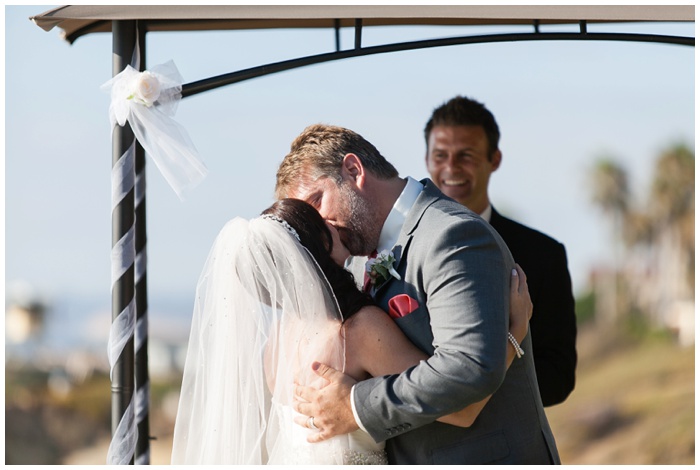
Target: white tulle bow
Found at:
148, 100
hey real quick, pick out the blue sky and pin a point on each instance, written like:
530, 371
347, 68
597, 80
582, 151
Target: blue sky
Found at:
560, 106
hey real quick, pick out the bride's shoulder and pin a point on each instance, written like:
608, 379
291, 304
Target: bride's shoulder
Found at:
370, 324
376, 346
368, 316
362, 331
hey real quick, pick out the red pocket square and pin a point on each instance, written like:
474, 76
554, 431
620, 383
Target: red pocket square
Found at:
401, 305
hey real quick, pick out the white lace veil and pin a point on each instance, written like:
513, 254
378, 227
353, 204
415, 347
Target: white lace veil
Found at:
263, 313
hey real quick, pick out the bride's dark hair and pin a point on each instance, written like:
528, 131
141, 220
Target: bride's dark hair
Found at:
317, 238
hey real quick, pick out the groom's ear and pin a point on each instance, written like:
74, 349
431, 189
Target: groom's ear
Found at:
353, 170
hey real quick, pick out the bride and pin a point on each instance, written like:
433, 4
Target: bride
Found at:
272, 299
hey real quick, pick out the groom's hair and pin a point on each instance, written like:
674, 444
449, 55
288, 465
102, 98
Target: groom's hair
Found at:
318, 152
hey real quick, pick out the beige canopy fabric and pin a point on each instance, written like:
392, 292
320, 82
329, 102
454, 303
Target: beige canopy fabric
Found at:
78, 20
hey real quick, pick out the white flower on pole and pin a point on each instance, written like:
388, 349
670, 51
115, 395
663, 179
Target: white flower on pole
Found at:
148, 100
146, 89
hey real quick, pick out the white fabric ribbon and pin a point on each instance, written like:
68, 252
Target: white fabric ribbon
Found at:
121, 449
120, 332
123, 254
148, 100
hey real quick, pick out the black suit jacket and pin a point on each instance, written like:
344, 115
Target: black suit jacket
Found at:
553, 323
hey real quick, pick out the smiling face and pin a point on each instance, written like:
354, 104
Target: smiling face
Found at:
458, 163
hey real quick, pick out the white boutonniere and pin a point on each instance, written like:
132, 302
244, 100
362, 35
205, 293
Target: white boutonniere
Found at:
380, 268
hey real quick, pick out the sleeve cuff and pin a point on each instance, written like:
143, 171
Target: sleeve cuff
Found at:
354, 411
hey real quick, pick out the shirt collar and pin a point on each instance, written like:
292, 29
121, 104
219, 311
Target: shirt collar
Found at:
393, 223
486, 215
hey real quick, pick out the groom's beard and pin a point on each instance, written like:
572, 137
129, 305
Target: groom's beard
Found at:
359, 227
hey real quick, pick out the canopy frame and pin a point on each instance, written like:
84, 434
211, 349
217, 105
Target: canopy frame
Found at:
200, 86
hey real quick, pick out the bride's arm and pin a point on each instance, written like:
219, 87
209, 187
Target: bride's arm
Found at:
520, 314
380, 348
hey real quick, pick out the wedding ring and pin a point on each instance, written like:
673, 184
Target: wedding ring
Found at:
310, 423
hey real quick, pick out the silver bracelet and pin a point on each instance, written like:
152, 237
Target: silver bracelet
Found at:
518, 350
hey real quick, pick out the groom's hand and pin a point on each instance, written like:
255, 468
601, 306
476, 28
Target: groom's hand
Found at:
330, 406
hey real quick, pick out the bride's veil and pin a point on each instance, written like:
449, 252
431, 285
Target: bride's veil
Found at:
263, 313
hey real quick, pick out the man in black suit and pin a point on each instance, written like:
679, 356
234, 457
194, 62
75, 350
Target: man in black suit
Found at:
462, 151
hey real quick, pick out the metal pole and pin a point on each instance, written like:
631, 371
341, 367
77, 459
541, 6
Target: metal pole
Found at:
583, 27
336, 26
143, 445
358, 33
123, 41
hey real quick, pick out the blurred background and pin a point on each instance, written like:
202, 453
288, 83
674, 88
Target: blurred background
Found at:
598, 146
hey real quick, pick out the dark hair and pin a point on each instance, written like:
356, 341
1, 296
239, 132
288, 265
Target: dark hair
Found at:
317, 238
462, 111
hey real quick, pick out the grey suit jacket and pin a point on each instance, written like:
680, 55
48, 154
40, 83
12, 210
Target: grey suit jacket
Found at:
458, 269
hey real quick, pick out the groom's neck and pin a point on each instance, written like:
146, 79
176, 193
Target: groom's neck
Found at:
385, 193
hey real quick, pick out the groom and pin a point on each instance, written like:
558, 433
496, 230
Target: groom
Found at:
457, 269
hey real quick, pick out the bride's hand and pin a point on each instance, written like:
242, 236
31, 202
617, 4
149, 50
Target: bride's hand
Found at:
329, 406
520, 304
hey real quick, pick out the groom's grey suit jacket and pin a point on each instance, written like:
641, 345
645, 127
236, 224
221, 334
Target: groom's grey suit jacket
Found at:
458, 269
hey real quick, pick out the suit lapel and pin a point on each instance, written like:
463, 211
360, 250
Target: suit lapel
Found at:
428, 196
496, 219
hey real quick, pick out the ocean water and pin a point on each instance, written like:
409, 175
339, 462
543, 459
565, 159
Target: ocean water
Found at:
82, 323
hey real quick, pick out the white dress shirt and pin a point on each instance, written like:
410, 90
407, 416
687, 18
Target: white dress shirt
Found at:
486, 215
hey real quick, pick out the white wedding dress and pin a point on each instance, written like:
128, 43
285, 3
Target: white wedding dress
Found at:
263, 313
356, 448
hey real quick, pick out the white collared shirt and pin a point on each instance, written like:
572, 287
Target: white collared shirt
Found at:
394, 221
486, 215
